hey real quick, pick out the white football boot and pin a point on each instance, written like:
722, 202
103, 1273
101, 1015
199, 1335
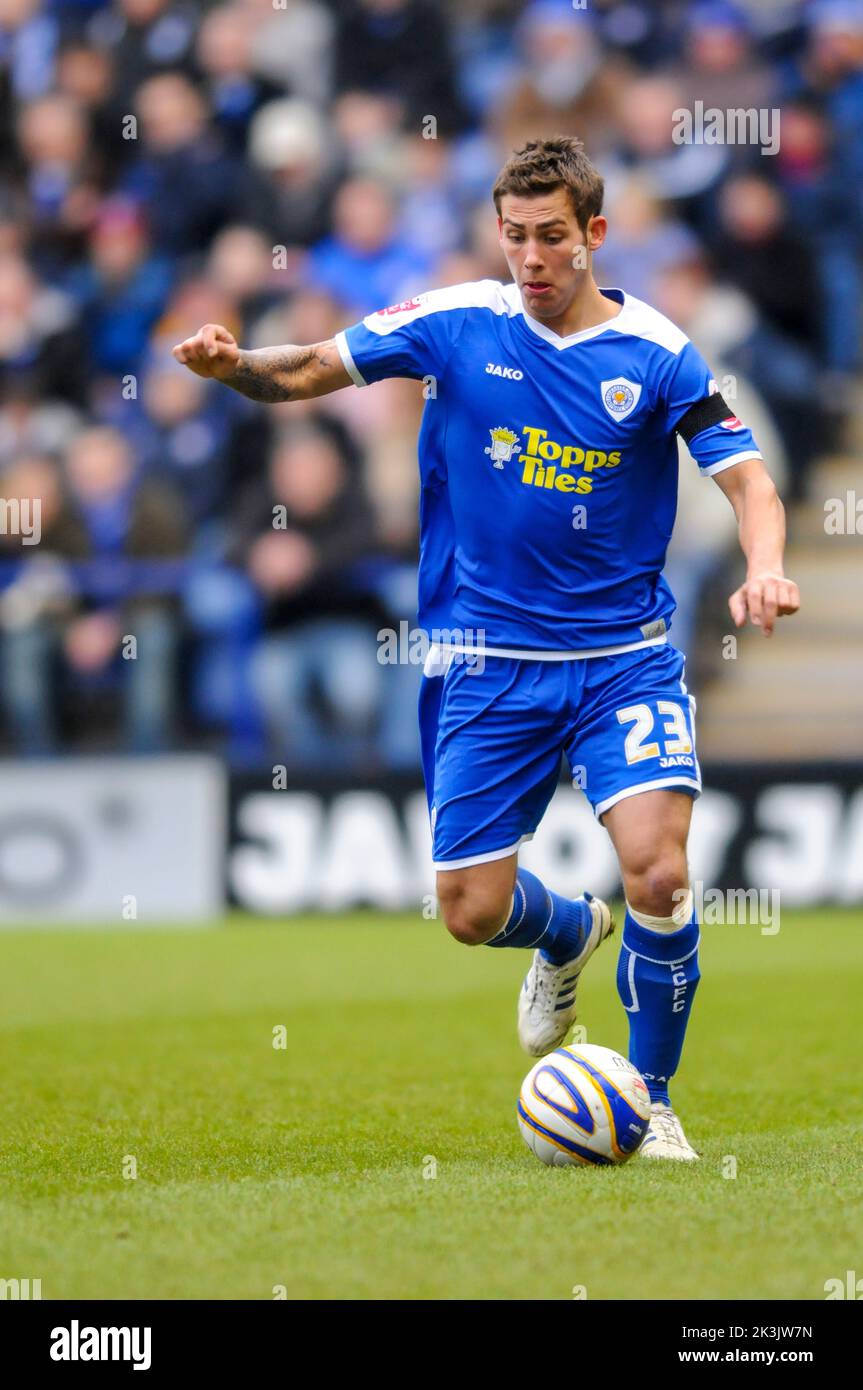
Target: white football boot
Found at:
665, 1137
546, 1003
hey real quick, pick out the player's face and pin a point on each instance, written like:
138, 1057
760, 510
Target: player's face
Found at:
546, 250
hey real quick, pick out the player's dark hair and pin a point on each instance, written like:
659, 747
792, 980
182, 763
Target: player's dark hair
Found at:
544, 165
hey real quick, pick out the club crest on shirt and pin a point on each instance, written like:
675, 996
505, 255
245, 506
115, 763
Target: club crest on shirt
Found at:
620, 397
503, 441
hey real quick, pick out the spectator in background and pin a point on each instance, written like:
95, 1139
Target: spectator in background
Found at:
113, 531
41, 349
685, 176
195, 295
831, 68
224, 54
190, 184
568, 82
291, 147
293, 46
146, 37
37, 601
207, 444
723, 324
399, 49
63, 178
241, 262
429, 216
315, 671
484, 243
29, 423
13, 213
28, 44
365, 263
182, 433
642, 239
718, 65
122, 290
824, 208
756, 249
716, 319
85, 74
368, 128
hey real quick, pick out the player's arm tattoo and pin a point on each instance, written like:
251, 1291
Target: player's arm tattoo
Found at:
289, 373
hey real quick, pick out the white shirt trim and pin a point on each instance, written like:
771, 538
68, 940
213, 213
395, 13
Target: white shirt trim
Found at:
437, 650
636, 318
678, 781
348, 362
488, 858
549, 336
729, 462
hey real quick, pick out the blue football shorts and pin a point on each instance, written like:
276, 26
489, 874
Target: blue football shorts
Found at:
493, 730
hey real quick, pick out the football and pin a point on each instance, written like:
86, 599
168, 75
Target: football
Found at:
583, 1104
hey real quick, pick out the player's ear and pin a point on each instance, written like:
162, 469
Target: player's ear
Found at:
597, 229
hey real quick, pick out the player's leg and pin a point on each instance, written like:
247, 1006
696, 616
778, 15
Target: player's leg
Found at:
658, 972
501, 905
634, 745
476, 902
497, 739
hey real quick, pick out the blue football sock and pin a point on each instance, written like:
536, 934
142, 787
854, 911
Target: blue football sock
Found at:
558, 926
657, 976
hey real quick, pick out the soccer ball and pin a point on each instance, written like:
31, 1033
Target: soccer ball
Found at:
583, 1104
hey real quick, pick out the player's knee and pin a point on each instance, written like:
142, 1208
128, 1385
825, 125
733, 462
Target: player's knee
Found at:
470, 917
658, 888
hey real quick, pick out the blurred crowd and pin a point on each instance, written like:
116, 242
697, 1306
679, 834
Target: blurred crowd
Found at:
285, 167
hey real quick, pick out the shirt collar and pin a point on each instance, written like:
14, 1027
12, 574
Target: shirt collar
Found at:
618, 296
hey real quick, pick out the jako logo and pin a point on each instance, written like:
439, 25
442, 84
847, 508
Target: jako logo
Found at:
511, 373
78, 1343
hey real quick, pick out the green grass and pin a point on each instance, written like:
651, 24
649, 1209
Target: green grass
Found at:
304, 1166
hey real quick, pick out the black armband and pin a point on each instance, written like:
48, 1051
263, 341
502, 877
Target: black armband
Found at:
700, 416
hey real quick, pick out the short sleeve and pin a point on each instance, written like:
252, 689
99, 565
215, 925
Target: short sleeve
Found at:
696, 411
411, 339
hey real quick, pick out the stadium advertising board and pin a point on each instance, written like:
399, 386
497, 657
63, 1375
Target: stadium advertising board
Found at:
793, 831
100, 840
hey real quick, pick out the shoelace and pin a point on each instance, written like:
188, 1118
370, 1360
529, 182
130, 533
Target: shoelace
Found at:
669, 1126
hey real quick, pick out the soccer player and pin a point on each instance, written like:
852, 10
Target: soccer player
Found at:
548, 459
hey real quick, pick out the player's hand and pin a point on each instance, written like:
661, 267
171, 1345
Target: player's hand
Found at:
212, 352
765, 597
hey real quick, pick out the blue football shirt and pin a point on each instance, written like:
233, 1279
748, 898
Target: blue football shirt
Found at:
548, 464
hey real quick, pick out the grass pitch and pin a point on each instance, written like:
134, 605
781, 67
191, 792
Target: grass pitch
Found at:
376, 1155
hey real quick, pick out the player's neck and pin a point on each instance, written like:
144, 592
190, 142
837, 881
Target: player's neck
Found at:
589, 307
